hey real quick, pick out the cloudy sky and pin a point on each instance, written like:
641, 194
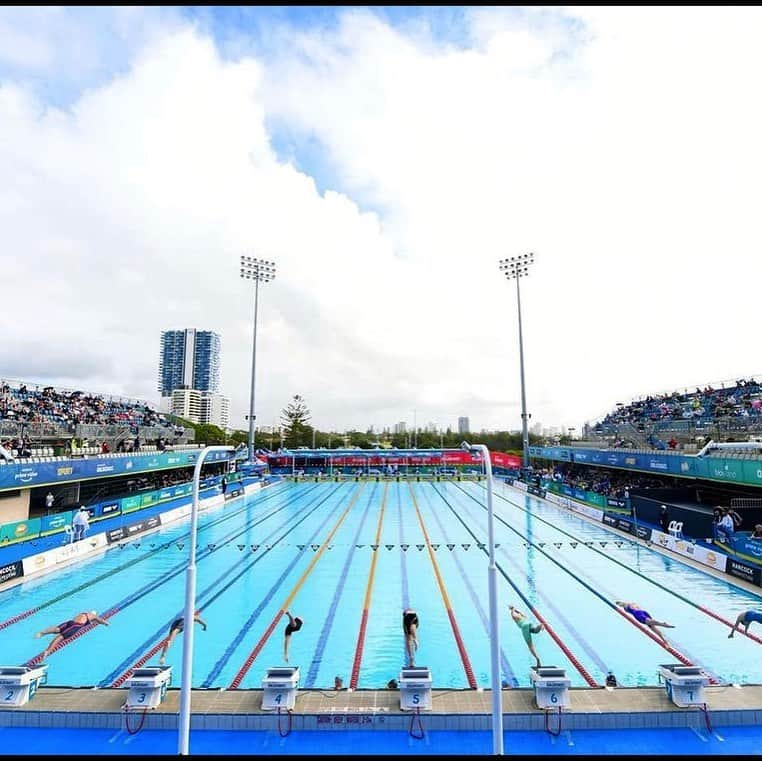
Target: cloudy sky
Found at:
386, 159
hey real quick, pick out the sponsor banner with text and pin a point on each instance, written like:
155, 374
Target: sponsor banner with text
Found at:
11, 571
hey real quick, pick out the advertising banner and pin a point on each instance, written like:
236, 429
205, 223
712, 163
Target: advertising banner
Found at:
12, 532
147, 499
131, 503
743, 571
745, 546
52, 523
704, 555
108, 508
18, 474
612, 502
134, 529
11, 571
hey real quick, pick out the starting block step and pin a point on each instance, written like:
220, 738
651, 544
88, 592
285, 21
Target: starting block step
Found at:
684, 684
280, 686
148, 686
551, 686
19, 683
415, 688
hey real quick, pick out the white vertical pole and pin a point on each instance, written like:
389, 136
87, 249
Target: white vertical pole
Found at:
252, 431
494, 620
183, 739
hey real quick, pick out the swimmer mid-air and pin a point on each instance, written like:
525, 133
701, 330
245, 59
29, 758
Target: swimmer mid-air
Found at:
410, 628
644, 617
746, 618
293, 625
175, 628
69, 628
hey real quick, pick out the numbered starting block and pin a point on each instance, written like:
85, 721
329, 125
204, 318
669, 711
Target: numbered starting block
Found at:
415, 688
148, 686
280, 686
551, 686
684, 684
19, 683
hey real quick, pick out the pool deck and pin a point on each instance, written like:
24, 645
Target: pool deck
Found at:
605, 708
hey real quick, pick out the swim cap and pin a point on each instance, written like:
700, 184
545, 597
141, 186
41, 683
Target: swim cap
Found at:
93, 612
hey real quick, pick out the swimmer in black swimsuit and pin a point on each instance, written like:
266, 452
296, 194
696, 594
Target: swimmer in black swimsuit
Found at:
293, 625
69, 629
410, 627
175, 628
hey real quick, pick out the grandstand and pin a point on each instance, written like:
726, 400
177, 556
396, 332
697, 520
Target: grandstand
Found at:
37, 415
724, 410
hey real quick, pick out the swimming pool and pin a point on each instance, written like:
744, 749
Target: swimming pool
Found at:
347, 558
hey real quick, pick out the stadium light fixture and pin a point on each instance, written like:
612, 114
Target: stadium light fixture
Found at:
494, 620
260, 271
515, 268
183, 739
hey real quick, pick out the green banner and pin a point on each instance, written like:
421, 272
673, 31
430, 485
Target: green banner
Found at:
148, 499
131, 503
50, 524
15, 532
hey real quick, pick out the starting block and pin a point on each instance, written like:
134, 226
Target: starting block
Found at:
280, 686
415, 688
148, 686
551, 686
684, 684
19, 683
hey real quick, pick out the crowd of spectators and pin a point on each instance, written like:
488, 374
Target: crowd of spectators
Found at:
602, 482
743, 400
67, 409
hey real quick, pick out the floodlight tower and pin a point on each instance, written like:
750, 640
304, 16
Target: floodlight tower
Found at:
518, 267
263, 271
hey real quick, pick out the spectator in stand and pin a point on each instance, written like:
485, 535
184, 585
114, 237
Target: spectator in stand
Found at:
136, 445
5, 452
664, 519
105, 448
49, 500
757, 533
672, 443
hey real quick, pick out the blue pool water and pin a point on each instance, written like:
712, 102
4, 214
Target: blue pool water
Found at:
258, 556
725, 741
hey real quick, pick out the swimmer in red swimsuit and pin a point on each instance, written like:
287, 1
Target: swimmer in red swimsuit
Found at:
69, 629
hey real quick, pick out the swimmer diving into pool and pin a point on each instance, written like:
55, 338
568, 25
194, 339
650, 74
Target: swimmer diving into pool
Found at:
644, 617
293, 625
746, 618
410, 628
527, 629
175, 628
69, 628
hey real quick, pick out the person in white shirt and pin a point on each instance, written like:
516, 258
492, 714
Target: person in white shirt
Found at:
49, 500
81, 524
727, 523
6, 453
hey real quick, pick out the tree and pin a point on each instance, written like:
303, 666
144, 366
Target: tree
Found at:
295, 418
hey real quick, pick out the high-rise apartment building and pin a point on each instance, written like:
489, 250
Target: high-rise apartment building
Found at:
464, 425
400, 427
189, 359
199, 406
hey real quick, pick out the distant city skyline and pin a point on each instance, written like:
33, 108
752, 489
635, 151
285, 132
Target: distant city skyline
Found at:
188, 137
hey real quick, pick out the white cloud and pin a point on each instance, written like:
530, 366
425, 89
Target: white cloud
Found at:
622, 147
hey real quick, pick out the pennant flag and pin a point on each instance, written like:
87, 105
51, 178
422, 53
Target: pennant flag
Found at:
618, 544
404, 547
122, 546
210, 546
136, 545
255, 547
497, 544
465, 546
180, 545
374, 547
389, 546
268, 546
588, 544
558, 545
450, 546
603, 544
419, 546
240, 547
152, 545
314, 547
359, 546
480, 545
542, 544
573, 544
435, 546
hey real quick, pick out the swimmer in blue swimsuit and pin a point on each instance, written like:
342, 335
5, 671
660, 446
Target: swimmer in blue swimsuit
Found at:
746, 618
644, 617
527, 630
175, 628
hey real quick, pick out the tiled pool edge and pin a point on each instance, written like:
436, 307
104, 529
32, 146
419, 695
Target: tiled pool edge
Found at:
242, 713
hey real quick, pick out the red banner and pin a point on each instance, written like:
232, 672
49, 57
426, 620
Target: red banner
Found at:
379, 460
